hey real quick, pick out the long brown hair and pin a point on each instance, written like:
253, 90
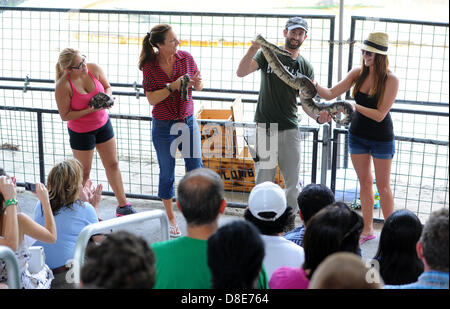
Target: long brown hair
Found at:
151, 39
2, 199
63, 184
381, 67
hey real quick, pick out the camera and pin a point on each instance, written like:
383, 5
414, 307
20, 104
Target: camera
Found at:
30, 186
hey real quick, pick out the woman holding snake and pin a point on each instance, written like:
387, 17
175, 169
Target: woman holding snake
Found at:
371, 133
164, 69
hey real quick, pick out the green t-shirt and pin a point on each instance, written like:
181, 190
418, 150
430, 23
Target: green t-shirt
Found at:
182, 263
277, 102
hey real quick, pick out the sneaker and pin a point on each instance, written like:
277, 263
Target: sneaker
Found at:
125, 210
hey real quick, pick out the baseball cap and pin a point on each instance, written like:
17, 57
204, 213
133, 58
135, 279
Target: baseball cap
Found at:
267, 197
296, 22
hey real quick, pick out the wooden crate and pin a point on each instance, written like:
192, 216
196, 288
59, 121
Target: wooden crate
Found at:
234, 162
238, 174
208, 130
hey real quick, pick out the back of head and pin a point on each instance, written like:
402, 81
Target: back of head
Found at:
435, 240
121, 261
313, 198
399, 263
64, 184
200, 195
345, 270
235, 255
267, 208
335, 228
156, 36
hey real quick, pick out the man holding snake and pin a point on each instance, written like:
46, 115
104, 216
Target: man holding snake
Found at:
276, 110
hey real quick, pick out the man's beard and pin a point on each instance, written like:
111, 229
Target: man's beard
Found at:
291, 46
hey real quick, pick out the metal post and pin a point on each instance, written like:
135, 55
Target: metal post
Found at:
314, 156
334, 161
41, 148
12, 267
325, 152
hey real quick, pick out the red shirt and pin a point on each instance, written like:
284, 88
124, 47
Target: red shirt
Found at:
172, 107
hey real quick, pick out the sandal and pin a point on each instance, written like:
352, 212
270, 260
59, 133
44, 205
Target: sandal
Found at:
363, 238
174, 231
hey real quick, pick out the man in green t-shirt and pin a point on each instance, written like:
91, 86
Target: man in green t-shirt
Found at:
276, 111
182, 263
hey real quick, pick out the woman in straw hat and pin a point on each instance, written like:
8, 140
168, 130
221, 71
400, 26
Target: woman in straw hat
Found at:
371, 133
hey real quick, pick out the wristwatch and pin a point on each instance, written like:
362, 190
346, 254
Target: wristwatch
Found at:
317, 119
168, 88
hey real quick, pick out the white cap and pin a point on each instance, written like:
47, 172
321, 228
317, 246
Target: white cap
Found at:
267, 197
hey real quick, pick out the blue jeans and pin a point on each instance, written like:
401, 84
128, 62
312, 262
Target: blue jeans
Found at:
185, 134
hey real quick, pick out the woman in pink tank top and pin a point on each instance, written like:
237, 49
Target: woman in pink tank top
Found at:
89, 128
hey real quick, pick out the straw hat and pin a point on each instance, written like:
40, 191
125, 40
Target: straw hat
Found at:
376, 42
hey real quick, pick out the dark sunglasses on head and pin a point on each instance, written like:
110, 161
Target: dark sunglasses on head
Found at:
81, 63
368, 53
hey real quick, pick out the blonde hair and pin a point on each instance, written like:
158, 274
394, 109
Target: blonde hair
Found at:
64, 184
65, 60
345, 270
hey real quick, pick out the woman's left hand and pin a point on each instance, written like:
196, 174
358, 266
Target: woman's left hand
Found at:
41, 192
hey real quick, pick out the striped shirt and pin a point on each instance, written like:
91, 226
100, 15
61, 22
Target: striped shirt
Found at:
428, 280
172, 107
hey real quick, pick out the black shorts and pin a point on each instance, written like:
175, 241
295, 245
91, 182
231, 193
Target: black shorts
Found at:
88, 140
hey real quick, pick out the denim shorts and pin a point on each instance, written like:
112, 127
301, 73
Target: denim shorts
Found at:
377, 149
88, 140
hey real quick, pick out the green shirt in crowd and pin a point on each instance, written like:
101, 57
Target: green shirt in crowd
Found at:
277, 102
182, 263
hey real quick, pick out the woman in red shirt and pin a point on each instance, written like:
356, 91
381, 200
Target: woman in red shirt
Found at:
163, 67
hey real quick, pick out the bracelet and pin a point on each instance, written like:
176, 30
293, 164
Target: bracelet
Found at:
11, 202
317, 120
168, 88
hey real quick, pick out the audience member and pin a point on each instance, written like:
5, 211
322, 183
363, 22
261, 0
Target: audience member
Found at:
344, 270
311, 199
433, 250
182, 263
333, 229
27, 231
235, 256
396, 255
74, 207
121, 261
268, 211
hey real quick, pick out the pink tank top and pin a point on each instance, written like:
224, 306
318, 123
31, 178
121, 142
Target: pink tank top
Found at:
80, 101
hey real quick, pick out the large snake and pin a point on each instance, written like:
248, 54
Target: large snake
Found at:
306, 88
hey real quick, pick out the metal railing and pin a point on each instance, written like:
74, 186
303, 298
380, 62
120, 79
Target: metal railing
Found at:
41, 141
217, 41
115, 223
419, 175
113, 38
418, 55
12, 267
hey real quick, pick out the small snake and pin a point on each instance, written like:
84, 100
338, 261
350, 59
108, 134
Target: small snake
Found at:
303, 84
184, 87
